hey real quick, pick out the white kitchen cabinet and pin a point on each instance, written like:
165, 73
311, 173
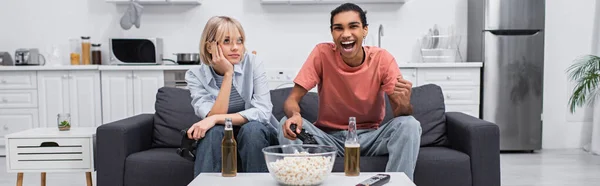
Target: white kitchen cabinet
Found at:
129, 93
158, 2
16, 120
409, 74
460, 87
73, 92
293, 2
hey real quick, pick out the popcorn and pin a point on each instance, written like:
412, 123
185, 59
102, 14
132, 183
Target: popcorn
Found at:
309, 170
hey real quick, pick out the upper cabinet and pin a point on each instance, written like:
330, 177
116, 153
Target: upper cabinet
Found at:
158, 2
331, 1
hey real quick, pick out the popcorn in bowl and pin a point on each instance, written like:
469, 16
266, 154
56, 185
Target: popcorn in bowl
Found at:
309, 167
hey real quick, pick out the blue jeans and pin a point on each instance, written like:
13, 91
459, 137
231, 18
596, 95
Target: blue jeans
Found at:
251, 138
400, 138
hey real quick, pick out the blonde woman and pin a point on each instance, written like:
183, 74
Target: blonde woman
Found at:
230, 83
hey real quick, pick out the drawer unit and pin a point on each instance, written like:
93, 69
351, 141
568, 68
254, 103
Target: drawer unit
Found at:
18, 99
410, 74
49, 154
18, 80
16, 120
461, 94
449, 77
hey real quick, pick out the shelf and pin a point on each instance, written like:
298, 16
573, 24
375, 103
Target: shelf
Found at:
318, 2
158, 2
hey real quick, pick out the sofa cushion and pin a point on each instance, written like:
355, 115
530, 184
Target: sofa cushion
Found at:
430, 110
174, 112
158, 167
442, 166
309, 105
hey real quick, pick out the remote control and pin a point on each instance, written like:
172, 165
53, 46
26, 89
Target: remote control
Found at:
377, 180
305, 137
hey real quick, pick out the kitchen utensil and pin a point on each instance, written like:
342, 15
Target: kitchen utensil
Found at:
186, 58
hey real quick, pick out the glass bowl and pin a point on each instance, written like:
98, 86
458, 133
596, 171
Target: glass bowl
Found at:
300, 164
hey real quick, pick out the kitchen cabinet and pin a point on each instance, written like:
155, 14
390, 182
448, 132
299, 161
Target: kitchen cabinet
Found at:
292, 2
158, 2
16, 120
460, 87
129, 93
409, 74
74, 92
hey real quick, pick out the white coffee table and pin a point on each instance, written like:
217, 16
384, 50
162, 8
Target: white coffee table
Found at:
265, 179
50, 150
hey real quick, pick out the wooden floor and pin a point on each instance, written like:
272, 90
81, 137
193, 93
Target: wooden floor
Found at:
545, 168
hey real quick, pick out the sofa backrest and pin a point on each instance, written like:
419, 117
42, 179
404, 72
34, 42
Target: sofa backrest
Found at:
428, 108
174, 113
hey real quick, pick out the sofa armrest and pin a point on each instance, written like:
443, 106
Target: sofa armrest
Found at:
117, 140
481, 141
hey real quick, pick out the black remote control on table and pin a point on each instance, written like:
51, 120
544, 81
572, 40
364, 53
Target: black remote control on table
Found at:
377, 180
305, 137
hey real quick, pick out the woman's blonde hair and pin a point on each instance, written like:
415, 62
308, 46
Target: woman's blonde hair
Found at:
215, 30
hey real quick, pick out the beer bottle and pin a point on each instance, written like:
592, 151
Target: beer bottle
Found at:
352, 150
228, 151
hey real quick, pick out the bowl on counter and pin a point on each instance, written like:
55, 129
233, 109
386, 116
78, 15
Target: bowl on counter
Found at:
300, 164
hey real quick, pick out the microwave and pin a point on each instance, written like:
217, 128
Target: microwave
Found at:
135, 51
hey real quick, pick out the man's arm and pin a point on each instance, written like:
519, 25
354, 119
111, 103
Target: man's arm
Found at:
291, 106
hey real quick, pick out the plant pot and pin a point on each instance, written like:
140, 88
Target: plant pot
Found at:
64, 122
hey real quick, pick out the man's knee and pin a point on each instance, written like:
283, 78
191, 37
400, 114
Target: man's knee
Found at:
407, 124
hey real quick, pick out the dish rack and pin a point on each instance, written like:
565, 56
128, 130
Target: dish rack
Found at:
440, 48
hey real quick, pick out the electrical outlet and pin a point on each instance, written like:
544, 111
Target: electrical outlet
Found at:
285, 75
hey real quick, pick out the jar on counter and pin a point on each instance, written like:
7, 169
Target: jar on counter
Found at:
75, 51
96, 54
85, 50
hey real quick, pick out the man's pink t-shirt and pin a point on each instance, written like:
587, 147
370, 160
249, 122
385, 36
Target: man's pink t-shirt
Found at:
346, 91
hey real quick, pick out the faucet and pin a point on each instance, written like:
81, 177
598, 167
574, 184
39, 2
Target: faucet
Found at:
379, 35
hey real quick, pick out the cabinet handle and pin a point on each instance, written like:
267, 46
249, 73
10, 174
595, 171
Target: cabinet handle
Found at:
5, 127
414, 74
65, 76
4, 100
3, 81
448, 96
448, 77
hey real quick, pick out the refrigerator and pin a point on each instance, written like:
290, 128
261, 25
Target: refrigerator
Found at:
508, 36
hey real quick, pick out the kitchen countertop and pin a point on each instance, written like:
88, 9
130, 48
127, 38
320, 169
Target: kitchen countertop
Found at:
186, 67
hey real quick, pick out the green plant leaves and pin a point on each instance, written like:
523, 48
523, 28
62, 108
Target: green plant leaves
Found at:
586, 73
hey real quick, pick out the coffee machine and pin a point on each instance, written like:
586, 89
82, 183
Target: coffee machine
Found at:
30, 56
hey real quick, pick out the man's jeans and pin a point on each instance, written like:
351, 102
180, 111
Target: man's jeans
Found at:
400, 138
251, 138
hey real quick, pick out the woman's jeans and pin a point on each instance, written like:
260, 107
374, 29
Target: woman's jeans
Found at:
251, 138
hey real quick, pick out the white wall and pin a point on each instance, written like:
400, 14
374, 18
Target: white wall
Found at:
283, 35
569, 28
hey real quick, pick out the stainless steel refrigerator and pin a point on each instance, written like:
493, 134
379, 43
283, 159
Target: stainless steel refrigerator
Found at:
508, 36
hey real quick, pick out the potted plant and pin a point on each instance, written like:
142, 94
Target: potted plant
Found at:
586, 73
64, 122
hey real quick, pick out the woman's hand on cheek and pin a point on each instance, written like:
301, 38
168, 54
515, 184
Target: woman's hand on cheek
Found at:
220, 63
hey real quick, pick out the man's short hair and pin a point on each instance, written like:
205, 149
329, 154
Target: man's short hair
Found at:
349, 7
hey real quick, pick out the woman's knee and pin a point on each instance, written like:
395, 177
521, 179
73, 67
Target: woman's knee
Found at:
254, 129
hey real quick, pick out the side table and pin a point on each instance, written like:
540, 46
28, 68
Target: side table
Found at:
50, 150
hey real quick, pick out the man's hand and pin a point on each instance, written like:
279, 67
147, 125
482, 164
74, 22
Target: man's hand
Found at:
401, 99
403, 88
199, 129
287, 132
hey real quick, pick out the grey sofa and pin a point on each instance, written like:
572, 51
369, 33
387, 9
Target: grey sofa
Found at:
456, 149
